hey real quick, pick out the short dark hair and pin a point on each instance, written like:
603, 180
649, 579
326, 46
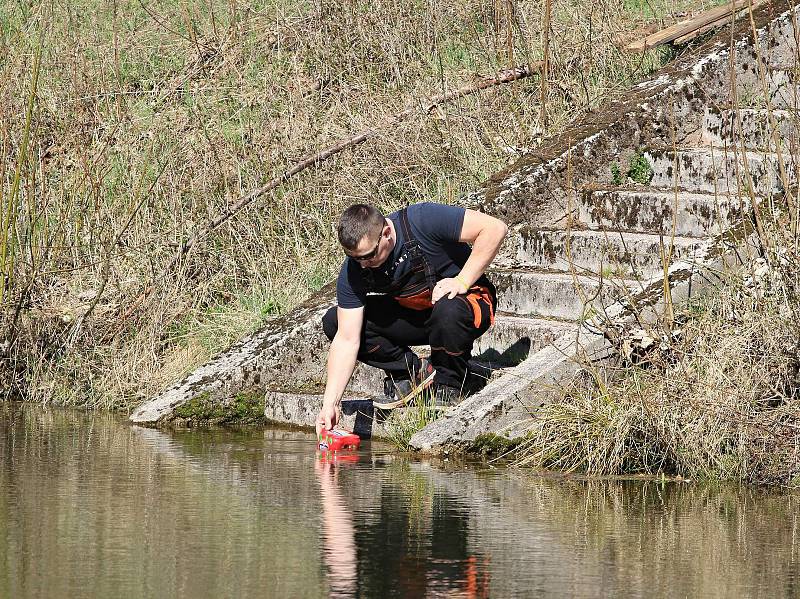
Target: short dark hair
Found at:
358, 221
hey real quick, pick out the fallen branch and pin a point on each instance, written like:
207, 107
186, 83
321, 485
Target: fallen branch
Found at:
314, 160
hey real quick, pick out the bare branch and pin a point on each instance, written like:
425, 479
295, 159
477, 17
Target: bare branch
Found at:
314, 160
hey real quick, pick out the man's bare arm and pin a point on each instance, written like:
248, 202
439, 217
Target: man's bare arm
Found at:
486, 234
342, 357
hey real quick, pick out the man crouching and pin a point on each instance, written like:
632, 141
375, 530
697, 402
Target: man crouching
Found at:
410, 278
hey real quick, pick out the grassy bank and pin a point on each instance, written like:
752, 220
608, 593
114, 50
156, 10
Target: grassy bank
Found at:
126, 127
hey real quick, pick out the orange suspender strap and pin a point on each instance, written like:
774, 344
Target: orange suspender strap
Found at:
487, 297
476, 310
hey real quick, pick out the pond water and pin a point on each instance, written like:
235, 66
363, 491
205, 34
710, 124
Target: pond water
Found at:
93, 507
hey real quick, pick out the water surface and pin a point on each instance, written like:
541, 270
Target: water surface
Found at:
93, 507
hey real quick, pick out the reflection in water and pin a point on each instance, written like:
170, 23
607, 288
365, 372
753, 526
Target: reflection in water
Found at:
91, 507
411, 545
339, 543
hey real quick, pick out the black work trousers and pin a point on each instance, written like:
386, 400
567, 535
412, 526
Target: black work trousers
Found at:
450, 327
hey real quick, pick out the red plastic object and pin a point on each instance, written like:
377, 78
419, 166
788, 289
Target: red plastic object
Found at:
338, 440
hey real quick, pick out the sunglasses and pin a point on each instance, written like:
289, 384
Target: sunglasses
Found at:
370, 255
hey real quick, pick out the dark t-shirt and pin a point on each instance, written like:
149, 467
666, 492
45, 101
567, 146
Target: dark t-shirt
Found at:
436, 227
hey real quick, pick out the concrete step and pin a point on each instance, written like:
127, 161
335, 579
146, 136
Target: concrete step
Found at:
648, 210
552, 294
507, 404
301, 409
716, 170
507, 343
781, 90
610, 253
750, 128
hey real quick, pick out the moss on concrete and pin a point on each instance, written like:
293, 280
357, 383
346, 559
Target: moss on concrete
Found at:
493, 445
243, 408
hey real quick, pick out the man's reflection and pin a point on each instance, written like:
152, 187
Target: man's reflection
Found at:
413, 543
338, 542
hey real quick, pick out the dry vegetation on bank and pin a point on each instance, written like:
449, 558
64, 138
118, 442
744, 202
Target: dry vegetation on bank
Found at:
713, 392
125, 127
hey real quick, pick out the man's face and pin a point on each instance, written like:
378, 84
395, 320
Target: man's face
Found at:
373, 249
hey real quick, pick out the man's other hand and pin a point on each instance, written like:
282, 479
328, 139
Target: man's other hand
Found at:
447, 287
327, 418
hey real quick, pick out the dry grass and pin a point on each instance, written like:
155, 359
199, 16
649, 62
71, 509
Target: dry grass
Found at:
716, 392
150, 118
715, 396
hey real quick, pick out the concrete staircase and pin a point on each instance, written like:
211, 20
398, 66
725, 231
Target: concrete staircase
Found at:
583, 255
694, 211
605, 272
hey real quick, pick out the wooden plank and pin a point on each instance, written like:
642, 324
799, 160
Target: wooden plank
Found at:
687, 26
685, 39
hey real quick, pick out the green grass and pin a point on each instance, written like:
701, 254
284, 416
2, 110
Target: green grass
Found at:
616, 174
639, 169
405, 422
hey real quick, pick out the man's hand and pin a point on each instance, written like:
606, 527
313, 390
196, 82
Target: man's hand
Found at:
327, 418
447, 287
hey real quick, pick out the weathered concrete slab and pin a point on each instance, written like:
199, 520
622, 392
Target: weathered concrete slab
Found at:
710, 170
508, 398
301, 409
512, 338
277, 355
508, 403
651, 210
751, 128
669, 106
555, 295
610, 253
779, 90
